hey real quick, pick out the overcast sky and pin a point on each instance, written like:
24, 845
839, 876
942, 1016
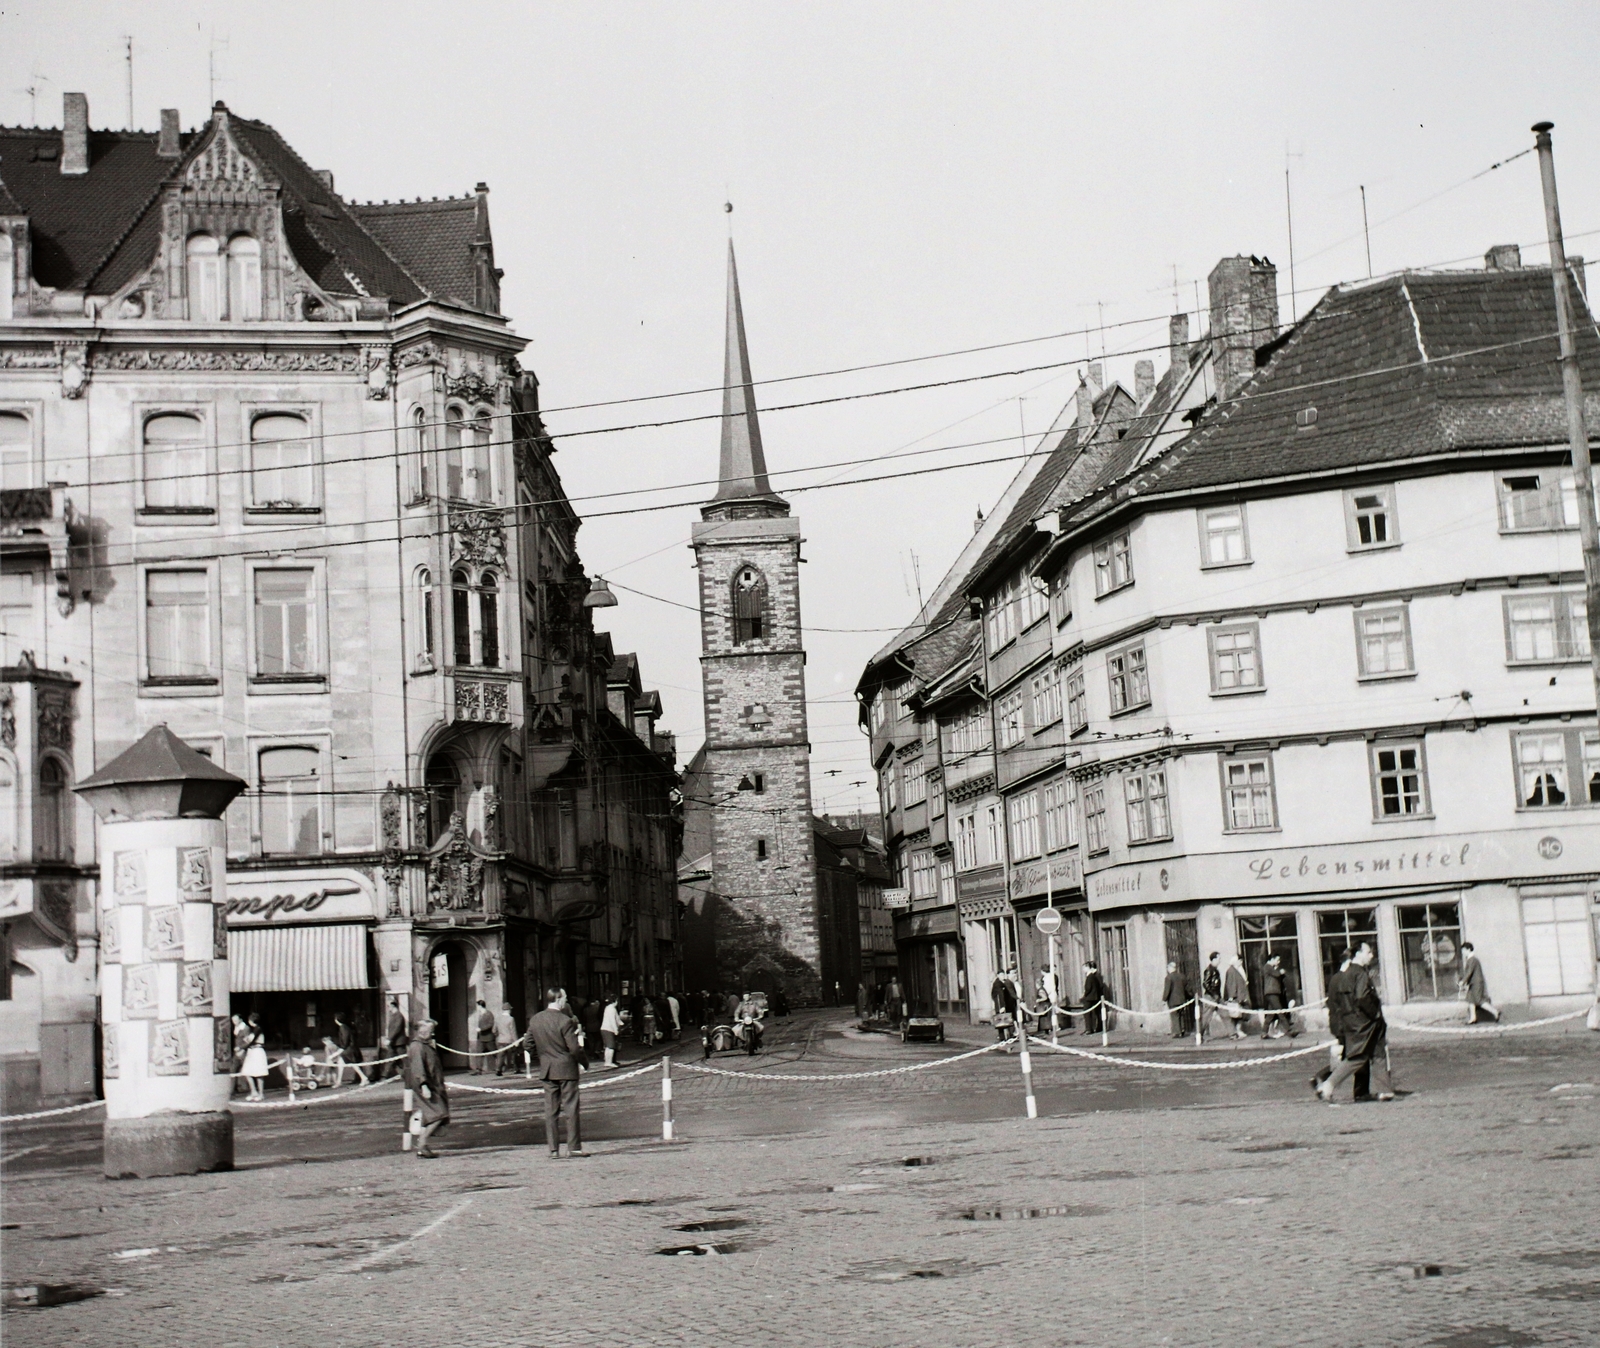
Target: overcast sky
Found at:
907, 180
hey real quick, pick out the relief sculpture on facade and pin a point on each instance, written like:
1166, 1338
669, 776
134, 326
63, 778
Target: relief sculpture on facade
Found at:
455, 871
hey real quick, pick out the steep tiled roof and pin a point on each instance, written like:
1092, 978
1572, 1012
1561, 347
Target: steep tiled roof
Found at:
76, 221
9, 205
433, 239
1413, 366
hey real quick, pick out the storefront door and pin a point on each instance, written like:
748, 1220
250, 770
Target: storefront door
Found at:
448, 991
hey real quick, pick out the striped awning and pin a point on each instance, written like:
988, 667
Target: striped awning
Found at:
298, 959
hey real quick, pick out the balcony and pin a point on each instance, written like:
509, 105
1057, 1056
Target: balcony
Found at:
36, 524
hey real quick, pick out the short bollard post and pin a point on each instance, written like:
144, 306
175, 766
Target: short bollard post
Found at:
407, 1104
666, 1098
1199, 1009
1105, 1024
1027, 1081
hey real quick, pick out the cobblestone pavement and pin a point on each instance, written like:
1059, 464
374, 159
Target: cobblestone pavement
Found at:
1208, 1208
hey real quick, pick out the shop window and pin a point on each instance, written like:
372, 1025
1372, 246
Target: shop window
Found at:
16, 450
1149, 816
1260, 938
205, 279
1430, 947
1129, 679
52, 816
1113, 564
286, 624
1556, 931
1235, 658
1399, 779
1114, 964
442, 782
1546, 628
244, 279
1537, 502
1370, 519
178, 626
1345, 929
1223, 541
282, 464
749, 606
1249, 800
1383, 642
174, 465
291, 813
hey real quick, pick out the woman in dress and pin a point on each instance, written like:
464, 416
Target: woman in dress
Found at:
425, 1078
255, 1057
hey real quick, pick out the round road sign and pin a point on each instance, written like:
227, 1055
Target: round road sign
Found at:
1048, 921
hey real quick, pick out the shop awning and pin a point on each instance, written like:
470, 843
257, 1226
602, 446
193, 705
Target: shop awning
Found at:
298, 959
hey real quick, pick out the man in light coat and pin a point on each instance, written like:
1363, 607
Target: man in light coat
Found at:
505, 1035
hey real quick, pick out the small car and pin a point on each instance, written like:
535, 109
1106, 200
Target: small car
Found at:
926, 1029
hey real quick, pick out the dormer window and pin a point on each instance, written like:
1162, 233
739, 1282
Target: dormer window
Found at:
244, 278
205, 280
749, 605
224, 284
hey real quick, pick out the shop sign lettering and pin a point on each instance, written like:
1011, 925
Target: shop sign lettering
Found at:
265, 907
1451, 857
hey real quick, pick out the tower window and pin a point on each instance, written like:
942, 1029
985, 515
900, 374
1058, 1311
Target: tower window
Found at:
749, 606
760, 781
761, 849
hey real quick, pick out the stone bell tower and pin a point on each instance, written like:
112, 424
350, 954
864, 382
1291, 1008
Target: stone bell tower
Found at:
758, 756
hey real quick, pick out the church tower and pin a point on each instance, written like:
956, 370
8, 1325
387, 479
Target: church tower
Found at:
757, 754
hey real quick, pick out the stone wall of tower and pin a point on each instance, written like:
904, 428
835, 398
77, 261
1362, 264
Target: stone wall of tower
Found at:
763, 851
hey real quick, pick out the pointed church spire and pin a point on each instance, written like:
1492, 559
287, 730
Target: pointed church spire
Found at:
743, 471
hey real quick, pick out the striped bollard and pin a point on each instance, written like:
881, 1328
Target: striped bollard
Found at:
666, 1098
407, 1104
1105, 1024
1199, 1010
1027, 1080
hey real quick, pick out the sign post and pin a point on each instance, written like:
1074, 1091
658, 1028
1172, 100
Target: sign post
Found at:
1049, 922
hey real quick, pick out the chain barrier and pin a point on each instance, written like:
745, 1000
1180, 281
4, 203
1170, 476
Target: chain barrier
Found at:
843, 1076
1485, 1029
306, 1098
50, 1113
536, 1091
1184, 1066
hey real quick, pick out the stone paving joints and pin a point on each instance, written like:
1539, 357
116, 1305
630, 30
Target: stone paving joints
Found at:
1462, 1216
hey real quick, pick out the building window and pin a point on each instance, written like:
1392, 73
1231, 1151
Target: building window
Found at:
1223, 541
1383, 642
1149, 818
1008, 716
966, 842
1023, 812
421, 474
290, 801
1129, 679
759, 781
442, 783
993, 843
1235, 658
1556, 932
1399, 779
8, 285
52, 818
1047, 697
749, 606
1003, 615
244, 279
286, 624
175, 464
19, 623
968, 734
489, 620
480, 471
1546, 628
1095, 834
1549, 761
1430, 948
1035, 599
282, 471
1370, 519
1535, 502
1060, 816
891, 787
1249, 801
912, 780
947, 880
177, 629
1061, 599
761, 849
8, 808
1113, 564
461, 617
924, 875
16, 451
1345, 929
935, 796
1077, 702
425, 618
454, 464
205, 279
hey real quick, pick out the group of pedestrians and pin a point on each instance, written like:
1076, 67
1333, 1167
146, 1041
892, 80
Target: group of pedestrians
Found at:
1011, 1013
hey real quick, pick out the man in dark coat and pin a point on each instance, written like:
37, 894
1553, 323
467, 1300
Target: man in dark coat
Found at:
554, 1033
1175, 996
1475, 988
425, 1079
1365, 1032
1003, 998
1340, 986
1094, 992
394, 1039
1272, 1023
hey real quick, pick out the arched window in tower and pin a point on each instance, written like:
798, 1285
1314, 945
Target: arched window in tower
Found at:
479, 473
460, 618
489, 620
442, 781
52, 820
421, 474
454, 468
426, 647
749, 606
244, 278
205, 279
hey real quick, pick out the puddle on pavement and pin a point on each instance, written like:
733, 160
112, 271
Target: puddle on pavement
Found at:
679, 1201
277, 1279
73, 1235
1248, 1200
1272, 1146
912, 1161
703, 1248
350, 1245
714, 1224
42, 1294
1418, 1272
902, 1270
1566, 1259
1486, 1336
1001, 1214
1095, 1176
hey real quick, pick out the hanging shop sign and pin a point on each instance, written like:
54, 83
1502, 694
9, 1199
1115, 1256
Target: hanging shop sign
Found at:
897, 898
1029, 878
265, 898
439, 969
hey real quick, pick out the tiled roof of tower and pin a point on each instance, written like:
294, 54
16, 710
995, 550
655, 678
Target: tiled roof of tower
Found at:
9, 205
433, 239
77, 220
1417, 365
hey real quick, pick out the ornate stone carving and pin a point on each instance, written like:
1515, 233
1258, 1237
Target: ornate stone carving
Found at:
271, 362
222, 160
472, 386
110, 1059
55, 718
375, 360
479, 700
29, 359
477, 537
424, 353
394, 871
455, 871
491, 817
8, 717
73, 358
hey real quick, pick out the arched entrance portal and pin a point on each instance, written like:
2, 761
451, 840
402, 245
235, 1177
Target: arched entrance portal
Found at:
449, 968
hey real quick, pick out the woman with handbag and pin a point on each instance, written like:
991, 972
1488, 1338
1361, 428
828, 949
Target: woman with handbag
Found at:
424, 1076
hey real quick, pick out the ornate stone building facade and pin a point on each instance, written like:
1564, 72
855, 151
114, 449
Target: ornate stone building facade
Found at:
274, 477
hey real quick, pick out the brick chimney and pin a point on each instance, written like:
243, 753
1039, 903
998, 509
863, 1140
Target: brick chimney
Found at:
325, 177
1097, 377
1503, 257
1085, 397
1244, 316
169, 145
75, 134
1178, 341
1144, 380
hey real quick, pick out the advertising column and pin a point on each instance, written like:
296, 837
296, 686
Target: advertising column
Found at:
167, 1041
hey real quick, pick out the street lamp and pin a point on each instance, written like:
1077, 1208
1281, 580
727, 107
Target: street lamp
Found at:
599, 595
